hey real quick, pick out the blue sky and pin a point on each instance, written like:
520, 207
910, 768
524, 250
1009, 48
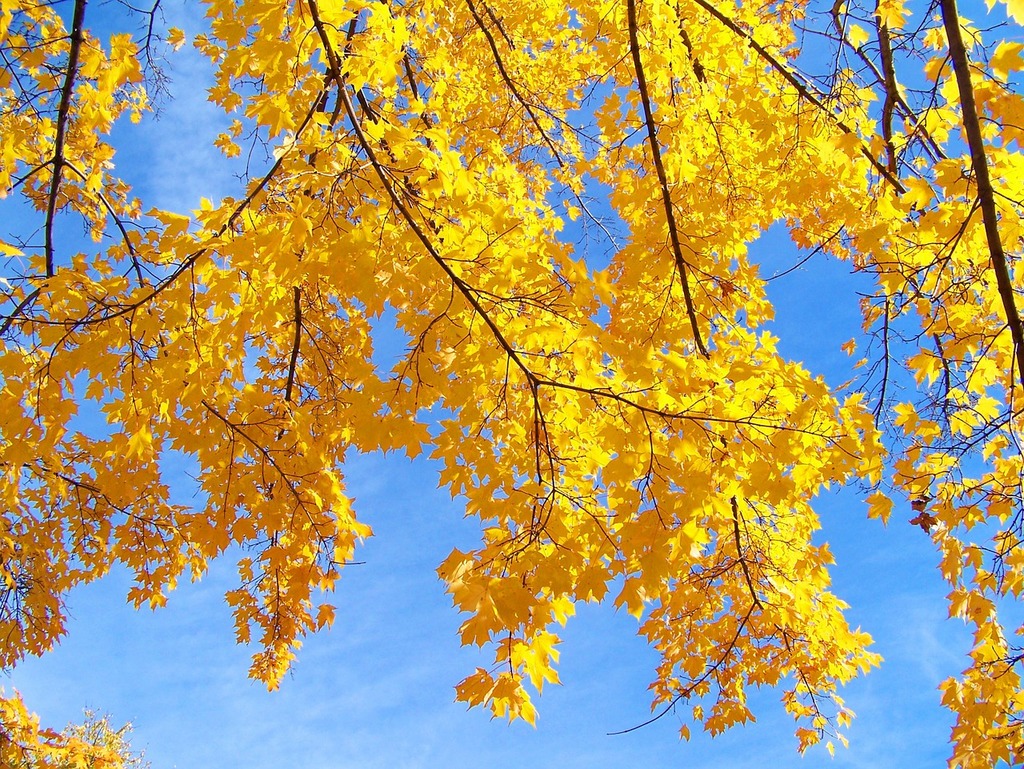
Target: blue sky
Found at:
377, 689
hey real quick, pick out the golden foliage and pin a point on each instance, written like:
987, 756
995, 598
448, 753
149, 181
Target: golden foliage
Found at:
624, 431
93, 744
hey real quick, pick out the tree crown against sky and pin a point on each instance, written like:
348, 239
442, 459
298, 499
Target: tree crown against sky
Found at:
554, 203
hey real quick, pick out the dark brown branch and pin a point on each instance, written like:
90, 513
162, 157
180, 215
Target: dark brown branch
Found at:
464, 288
410, 77
28, 300
20, 180
886, 358
659, 166
698, 68
291, 482
685, 415
333, 63
288, 479
979, 164
192, 258
889, 85
63, 115
414, 87
739, 553
947, 375
117, 221
498, 24
470, 295
295, 344
530, 111
410, 220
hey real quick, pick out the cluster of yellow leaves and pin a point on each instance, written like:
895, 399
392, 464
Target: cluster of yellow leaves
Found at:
25, 745
941, 304
107, 84
619, 422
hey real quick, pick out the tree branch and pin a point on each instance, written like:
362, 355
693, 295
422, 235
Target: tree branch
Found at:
63, 115
117, 221
889, 85
886, 358
979, 164
708, 671
739, 553
659, 166
927, 141
190, 260
295, 344
508, 79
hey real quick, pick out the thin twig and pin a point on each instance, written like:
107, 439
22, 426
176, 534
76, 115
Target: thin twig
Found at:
694, 684
117, 221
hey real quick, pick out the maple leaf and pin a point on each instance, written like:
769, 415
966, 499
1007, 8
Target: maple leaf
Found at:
925, 520
1015, 10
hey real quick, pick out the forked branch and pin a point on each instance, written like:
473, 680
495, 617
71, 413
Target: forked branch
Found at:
63, 116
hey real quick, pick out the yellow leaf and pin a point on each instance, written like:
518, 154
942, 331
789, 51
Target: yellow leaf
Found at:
140, 443
1007, 58
325, 615
175, 38
1015, 10
880, 506
857, 35
893, 13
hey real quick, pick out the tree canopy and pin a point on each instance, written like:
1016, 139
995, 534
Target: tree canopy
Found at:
553, 204
95, 743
